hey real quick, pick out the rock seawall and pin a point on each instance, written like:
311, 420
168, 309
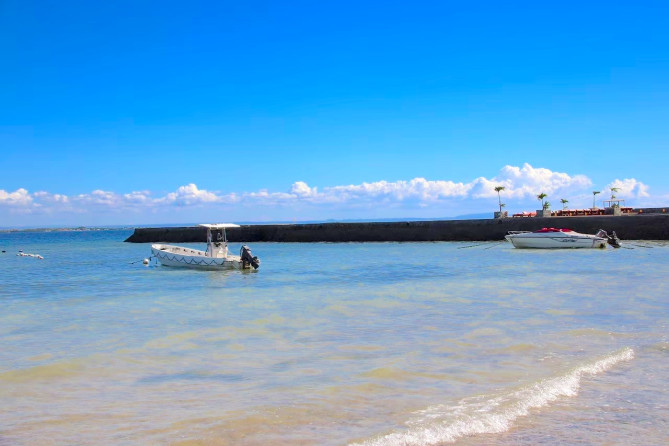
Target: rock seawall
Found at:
628, 227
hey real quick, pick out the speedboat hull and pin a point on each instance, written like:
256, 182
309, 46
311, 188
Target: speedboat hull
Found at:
170, 255
554, 240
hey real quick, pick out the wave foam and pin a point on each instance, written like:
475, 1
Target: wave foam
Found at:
489, 415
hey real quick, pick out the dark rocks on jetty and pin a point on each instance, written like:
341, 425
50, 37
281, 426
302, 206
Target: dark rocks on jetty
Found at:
627, 227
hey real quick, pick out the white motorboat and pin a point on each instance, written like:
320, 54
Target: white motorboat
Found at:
552, 238
215, 257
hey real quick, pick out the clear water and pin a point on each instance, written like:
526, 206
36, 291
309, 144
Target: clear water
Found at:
333, 344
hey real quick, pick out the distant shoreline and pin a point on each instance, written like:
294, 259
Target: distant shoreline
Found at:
78, 229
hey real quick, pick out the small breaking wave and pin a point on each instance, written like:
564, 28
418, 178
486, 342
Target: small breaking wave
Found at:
492, 414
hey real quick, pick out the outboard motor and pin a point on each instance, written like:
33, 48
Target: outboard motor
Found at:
248, 259
612, 239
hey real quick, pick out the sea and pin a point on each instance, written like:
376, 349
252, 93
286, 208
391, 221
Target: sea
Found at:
370, 344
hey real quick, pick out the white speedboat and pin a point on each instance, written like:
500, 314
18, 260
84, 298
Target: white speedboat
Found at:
215, 257
552, 238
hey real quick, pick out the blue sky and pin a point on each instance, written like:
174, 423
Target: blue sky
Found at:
167, 112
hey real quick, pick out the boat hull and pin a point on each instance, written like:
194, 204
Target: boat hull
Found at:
556, 241
177, 256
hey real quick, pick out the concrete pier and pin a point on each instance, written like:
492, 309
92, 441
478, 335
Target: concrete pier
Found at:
627, 227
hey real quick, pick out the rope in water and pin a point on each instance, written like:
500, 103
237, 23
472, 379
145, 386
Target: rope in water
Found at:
481, 244
145, 261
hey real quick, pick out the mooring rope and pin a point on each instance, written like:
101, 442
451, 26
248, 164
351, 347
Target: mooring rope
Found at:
481, 244
147, 260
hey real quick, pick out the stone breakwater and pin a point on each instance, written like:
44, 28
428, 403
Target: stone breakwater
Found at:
627, 227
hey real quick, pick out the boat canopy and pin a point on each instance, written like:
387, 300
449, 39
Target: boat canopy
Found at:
219, 225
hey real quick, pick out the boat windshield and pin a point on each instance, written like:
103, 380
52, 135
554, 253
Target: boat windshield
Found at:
554, 230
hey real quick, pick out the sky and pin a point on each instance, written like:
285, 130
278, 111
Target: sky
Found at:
141, 113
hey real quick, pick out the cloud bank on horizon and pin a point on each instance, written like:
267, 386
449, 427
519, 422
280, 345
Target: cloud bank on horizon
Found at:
365, 200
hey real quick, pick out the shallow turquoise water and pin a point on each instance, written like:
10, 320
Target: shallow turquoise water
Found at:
367, 343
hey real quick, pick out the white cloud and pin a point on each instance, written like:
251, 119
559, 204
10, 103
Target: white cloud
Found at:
521, 183
143, 197
190, 195
100, 197
46, 197
20, 198
301, 189
629, 188
418, 189
527, 182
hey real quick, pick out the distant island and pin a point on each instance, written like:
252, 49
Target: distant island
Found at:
77, 229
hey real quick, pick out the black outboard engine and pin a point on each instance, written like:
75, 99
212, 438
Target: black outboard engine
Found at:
248, 259
612, 239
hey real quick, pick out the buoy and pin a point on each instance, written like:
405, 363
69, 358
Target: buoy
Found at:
146, 261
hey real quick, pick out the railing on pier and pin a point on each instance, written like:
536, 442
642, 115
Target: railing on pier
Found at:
579, 212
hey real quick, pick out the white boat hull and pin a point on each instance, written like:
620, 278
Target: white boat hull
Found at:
170, 255
555, 240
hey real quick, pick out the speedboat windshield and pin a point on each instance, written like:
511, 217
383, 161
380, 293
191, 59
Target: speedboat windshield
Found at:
554, 230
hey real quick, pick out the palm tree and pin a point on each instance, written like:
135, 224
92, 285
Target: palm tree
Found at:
594, 194
498, 189
541, 197
613, 191
564, 203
